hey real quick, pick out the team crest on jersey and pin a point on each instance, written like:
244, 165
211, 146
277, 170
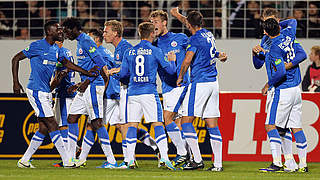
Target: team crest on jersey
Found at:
117, 56
174, 44
80, 51
57, 54
27, 48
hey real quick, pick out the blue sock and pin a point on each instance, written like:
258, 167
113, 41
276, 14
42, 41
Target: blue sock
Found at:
105, 144
64, 135
162, 142
216, 145
58, 143
73, 133
131, 142
87, 143
301, 143
192, 139
275, 146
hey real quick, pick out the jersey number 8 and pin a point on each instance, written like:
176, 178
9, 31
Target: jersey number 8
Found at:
140, 65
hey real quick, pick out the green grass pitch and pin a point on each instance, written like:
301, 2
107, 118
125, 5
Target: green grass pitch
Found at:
148, 170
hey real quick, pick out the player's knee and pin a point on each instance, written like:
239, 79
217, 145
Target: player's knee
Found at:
72, 118
282, 131
96, 124
269, 127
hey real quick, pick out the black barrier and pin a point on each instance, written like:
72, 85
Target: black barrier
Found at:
18, 124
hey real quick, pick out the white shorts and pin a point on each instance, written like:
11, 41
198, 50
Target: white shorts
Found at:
202, 100
61, 109
148, 105
111, 113
123, 104
90, 102
41, 102
172, 101
284, 107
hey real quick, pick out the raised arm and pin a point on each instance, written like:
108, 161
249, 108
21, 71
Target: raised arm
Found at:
175, 12
17, 87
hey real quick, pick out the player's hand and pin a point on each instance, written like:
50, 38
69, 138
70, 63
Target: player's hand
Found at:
257, 49
171, 56
179, 81
73, 88
93, 71
17, 87
223, 56
113, 71
83, 86
264, 90
174, 11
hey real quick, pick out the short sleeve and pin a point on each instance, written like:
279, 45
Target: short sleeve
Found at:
32, 50
184, 40
192, 45
161, 58
90, 47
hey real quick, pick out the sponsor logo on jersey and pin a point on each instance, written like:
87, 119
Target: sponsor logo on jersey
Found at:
278, 61
27, 48
92, 49
174, 44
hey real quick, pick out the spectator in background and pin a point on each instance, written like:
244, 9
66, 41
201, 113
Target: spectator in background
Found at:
144, 12
184, 9
314, 20
311, 80
299, 15
206, 9
236, 18
23, 34
217, 25
83, 11
90, 24
253, 23
37, 23
5, 26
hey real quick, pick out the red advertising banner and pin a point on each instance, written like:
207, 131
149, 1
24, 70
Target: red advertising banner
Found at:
242, 126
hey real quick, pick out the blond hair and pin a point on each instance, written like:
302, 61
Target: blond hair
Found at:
116, 26
159, 13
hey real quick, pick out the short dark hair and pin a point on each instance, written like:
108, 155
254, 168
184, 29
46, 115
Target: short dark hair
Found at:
97, 33
271, 26
195, 19
71, 23
145, 29
270, 12
47, 26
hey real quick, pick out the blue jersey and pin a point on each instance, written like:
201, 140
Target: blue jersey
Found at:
119, 51
140, 64
43, 59
282, 50
178, 44
69, 80
113, 89
203, 65
265, 43
86, 52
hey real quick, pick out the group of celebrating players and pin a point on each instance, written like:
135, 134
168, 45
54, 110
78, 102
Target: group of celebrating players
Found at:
119, 88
